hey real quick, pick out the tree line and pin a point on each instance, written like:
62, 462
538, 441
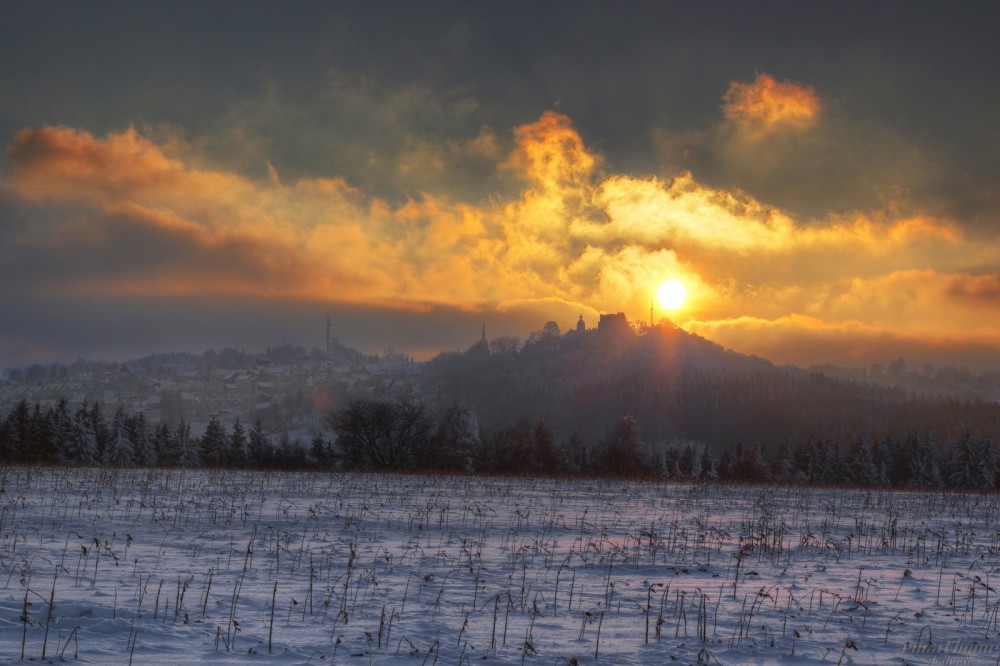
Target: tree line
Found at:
372, 434
60, 435
381, 434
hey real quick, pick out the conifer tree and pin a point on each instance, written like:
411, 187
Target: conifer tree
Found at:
236, 451
6, 440
318, 451
257, 445
145, 447
42, 436
961, 466
690, 462
622, 453
187, 449
84, 444
861, 461
987, 463
164, 445
544, 444
120, 449
213, 444
19, 431
783, 466
100, 428
709, 466
62, 432
923, 461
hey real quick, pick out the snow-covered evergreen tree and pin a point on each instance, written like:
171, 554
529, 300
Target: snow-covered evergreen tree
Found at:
188, 454
783, 467
924, 462
574, 456
884, 456
806, 454
752, 464
319, 451
257, 444
17, 430
972, 463
861, 461
62, 433
669, 463
708, 466
726, 467
120, 450
6, 440
988, 463
543, 441
144, 447
623, 453
100, 430
165, 445
961, 467
214, 444
236, 450
84, 444
690, 462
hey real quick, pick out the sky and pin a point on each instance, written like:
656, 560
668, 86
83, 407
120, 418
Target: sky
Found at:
823, 177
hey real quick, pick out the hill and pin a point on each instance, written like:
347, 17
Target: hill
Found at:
680, 387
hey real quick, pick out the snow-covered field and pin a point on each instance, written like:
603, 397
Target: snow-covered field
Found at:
102, 566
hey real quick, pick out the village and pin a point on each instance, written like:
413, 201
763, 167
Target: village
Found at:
287, 388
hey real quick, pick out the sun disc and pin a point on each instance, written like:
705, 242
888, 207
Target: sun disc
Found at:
671, 294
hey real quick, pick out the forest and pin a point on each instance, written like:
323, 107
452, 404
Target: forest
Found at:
395, 435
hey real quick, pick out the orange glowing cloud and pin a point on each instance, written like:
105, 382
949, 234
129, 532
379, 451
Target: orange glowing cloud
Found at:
802, 340
767, 105
551, 153
572, 239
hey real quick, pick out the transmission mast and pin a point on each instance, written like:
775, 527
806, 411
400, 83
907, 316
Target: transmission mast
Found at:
328, 336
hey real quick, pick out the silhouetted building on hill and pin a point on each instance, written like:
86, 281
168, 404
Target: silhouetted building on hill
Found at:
614, 324
480, 346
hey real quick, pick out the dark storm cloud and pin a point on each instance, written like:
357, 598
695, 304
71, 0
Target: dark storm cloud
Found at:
310, 81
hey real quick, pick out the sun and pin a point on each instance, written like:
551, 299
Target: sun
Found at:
671, 294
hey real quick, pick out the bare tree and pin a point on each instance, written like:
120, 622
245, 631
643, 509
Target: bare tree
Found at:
455, 442
507, 345
378, 434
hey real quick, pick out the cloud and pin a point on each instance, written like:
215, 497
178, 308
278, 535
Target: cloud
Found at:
767, 106
430, 163
805, 341
144, 217
393, 139
551, 154
535, 312
814, 156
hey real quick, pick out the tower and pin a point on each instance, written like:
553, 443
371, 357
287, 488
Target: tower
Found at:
328, 336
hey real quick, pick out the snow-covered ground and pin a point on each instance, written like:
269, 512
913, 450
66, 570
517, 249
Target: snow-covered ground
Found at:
218, 567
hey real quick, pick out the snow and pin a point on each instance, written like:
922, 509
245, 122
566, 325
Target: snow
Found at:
152, 566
